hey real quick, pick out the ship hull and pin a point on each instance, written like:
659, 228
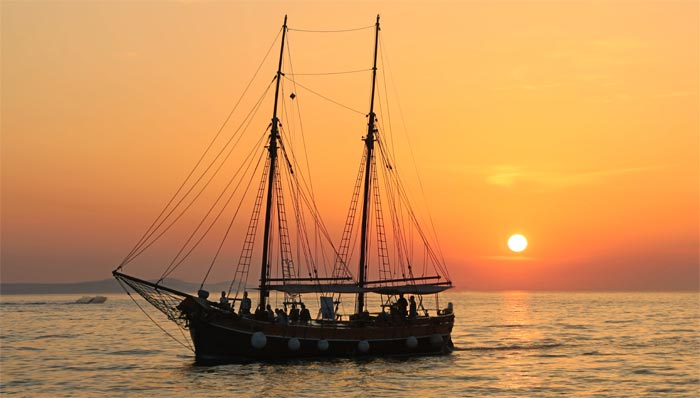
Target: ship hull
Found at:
221, 337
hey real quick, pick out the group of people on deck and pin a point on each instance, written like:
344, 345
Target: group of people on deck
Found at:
401, 309
243, 309
279, 315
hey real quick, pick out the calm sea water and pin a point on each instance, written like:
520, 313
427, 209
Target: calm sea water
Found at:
511, 344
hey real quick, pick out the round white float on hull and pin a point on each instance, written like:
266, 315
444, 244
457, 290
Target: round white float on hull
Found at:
363, 345
258, 340
323, 345
293, 344
412, 342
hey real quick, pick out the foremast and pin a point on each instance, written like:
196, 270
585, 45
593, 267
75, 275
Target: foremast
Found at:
369, 145
272, 147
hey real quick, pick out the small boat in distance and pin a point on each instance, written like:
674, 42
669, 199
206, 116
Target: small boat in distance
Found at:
398, 271
91, 300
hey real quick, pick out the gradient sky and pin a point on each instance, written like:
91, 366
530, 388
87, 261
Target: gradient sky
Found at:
573, 123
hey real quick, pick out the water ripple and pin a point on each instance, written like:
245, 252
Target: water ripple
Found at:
508, 345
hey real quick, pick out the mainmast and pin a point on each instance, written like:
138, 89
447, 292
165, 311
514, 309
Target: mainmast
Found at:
274, 135
369, 144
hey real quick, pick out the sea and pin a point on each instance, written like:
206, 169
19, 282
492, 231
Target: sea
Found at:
508, 344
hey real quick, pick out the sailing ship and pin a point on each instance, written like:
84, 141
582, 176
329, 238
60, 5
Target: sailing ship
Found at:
380, 321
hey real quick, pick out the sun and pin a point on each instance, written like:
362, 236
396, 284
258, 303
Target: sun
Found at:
517, 243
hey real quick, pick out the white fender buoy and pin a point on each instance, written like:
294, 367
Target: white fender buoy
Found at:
363, 345
293, 344
258, 340
412, 342
436, 340
323, 345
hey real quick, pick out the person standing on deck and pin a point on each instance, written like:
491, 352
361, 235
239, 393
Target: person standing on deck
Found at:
413, 309
294, 313
223, 301
244, 308
402, 304
304, 314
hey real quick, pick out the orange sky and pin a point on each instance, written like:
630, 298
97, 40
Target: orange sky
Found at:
573, 123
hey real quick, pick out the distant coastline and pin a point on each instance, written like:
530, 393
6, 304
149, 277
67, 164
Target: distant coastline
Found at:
96, 287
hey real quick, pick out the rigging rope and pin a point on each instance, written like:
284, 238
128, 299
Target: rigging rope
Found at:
148, 232
330, 31
326, 98
315, 214
413, 157
228, 229
189, 347
386, 100
320, 229
233, 218
347, 247
213, 222
244, 260
400, 243
299, 191
438, 262
250, 115
249, 156
303, 238
317, 235
330, 73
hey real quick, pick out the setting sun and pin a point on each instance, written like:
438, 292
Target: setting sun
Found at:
517, 243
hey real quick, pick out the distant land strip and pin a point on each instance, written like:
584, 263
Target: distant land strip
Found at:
101, 286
